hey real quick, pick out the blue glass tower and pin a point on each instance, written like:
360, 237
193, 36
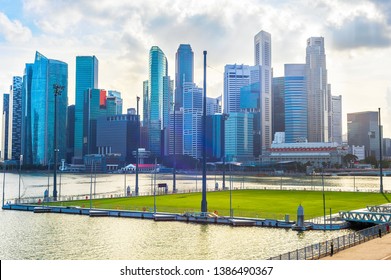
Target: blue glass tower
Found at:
86, 78
26, 114
4, 148
295, 103
46, 73
157, 70
184, 71
16, 118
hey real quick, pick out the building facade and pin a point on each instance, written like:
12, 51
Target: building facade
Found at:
336, 119
278, 104
295, 103
235, 77
15, 119
316, 80
86, 78
263, 58
5, 123
363, 130
184, 71
157, 70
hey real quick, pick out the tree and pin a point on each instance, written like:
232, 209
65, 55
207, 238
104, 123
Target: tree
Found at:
349, 159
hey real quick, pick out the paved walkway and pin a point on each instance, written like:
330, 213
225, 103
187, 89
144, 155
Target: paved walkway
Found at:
375, 249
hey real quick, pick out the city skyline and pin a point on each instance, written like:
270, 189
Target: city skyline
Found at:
120, 34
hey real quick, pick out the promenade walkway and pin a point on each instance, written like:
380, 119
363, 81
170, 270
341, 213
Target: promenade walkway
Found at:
376, 249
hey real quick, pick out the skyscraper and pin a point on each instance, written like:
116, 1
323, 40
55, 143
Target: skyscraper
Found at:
157, 70
316, 77
5, 119
26, 109
236, 76
336, 119
15, 119
184, 71
295, 103
263, 57
86, 78
192, 120
278, 104
363, 129
46, 73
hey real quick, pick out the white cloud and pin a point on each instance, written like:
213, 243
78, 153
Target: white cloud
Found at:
13, 30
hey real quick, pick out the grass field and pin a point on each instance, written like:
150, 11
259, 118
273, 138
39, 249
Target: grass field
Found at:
248, 203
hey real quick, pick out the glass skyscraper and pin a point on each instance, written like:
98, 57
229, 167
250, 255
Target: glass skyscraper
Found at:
295, 103
26, 109
4, 148
184, 71
192, 120
86, 78
157, 70
278, 101
316, 77
15, 119
46, 73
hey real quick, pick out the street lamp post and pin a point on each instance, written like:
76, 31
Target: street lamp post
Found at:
4, 168
137, 145
225, 117
381, 155
57, 91
20, 171
204, 204
174, 164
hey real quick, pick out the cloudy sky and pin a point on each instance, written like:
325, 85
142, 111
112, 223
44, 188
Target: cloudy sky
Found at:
121, 33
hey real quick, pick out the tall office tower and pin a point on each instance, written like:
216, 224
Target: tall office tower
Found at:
15, 120
295, 103
157, 70
336, 119
192, 120
239, 137
215, 137
278, 104
363, 129
5, 120
263, 57
168, 99
184, 71
114, 102
70, 133
178, 133
316, 77
235, 77
249, 103
213, 105
26, 115
46, 73
86, 78
145, 104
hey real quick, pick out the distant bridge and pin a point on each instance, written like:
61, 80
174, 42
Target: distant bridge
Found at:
366, 217
380, 209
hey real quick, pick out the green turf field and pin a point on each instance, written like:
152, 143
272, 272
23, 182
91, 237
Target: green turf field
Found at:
248, 203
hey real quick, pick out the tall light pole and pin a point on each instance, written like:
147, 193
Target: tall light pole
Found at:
57, 91
4, 168
137, 145
20, 171
174, 164
204, 204
381, 156
225, 117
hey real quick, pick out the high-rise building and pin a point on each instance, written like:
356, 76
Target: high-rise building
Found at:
45, 74
168, 99
213, 105
157, 70
278, 104
336, 119
192, 120
15, 119
316, 77
86, 78
5, 119
70, 133
239, 137
363, 130
145, 104
114, 102
26, 115
263, 57
295, 103
184, 71
178, 135
236, 76
215, 137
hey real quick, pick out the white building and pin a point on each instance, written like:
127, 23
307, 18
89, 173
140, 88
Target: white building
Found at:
263, 57
235, 77
336, 119
358, 151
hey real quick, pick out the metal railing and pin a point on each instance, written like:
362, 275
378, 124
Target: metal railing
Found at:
322, 249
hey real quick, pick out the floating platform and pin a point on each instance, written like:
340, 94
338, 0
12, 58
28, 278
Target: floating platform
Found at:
242, 223
306, 226
98, 213
42, 209
164, 217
